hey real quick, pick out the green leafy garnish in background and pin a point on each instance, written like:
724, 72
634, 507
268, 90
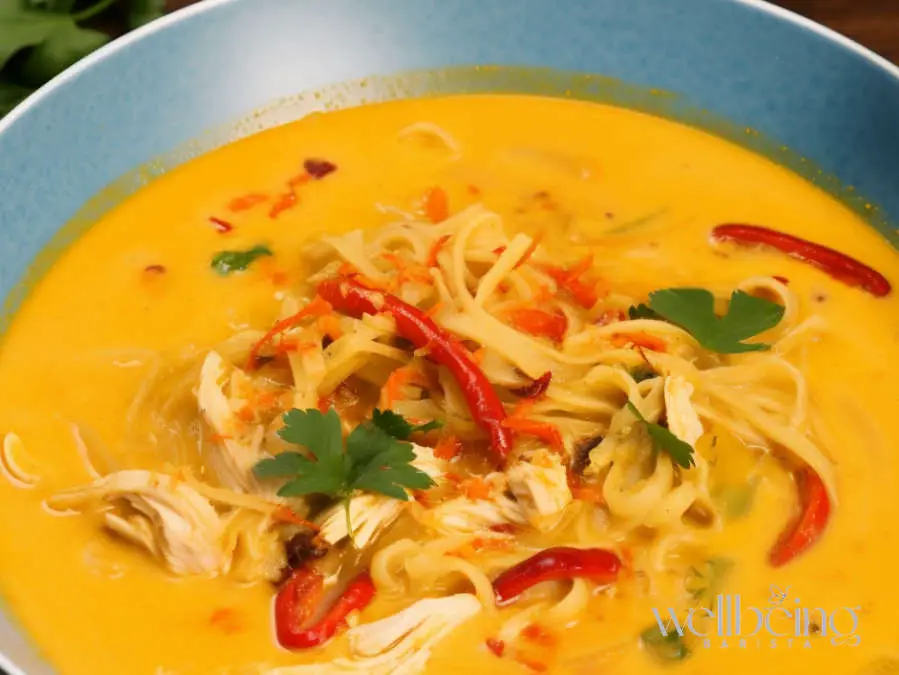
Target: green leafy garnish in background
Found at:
664, 440
41, 38
371, 460
706, 581
693, 309
398, 426
225, 262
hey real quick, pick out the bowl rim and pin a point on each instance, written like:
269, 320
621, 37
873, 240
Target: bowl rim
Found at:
37, 97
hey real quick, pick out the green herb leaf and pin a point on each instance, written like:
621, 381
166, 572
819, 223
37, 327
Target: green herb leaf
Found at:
144, 11
664, 440
668, 647
60, 6
736, 499
225, 262
66, 45
693, 310
373, 460
707, 581
11, 95
397, 426
21, 27
641, 311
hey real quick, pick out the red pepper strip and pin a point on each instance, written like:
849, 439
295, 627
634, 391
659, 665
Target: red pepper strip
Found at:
539, 323
346, 295
536, 388
554, 564
809, 525
297, 601
838, 265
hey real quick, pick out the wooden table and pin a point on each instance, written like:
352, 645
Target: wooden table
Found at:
873, 23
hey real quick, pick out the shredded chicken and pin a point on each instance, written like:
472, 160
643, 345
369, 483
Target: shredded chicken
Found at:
371, 513
239, 447
463, 515
683, 420
168, 518
400, 644
540, 486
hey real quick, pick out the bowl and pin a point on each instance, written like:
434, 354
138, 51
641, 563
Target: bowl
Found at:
223, 69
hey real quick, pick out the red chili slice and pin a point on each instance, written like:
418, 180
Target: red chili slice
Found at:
555, 564
838, 265
808, 527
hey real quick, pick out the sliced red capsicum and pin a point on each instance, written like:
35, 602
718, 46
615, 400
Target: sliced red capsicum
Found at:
808, 527
298, 600
352, 298
554, 564
838, 265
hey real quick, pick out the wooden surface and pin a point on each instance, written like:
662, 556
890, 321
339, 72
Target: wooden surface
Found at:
873, 23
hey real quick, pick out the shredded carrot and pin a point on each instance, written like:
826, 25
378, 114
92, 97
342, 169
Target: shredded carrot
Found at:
226, 619
447, 448
421, 496
504, 287
246, 202
610, 316
436, 205
476, 488
299, 179
406, 270
536, 666
498, 647
318, 307
246, 414
539, 323
544, 431
504, 528
453, 478
436, 309
329, 325
218, 438
592, 494
529, 251
285, 201
398, 379
284, 514
491, 544
640, 339
538, 635
585, 293
347, 270
438, 245
499, 250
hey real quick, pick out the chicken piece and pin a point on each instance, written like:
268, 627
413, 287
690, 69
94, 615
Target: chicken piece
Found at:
683, 420
463, 515
371, 514
400, 644
540, 485
168, 518
239, 449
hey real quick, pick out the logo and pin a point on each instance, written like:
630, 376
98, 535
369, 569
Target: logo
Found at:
729, 622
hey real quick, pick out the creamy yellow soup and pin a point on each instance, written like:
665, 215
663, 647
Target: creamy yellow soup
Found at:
136, 296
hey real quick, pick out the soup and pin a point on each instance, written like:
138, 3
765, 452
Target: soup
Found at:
464, 383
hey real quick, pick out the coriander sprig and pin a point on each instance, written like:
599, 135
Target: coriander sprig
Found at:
664, 440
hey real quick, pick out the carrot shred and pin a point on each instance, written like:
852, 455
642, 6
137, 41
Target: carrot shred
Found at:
536, 666
539, 323
285, 201
447, 448
221, 226
325, 403
438, 245
538, 635
544, 431
398, 379
218, 438
585, 293
436, 205
318, 307
329, 325
640, 339
591, 493
299, 179
476, 488
246, 202
284, 514
227, 619
498, 647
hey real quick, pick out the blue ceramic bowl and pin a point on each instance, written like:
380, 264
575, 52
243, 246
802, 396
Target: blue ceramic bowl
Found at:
194, 75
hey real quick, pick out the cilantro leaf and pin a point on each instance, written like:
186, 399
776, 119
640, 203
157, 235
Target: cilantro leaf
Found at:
662, 439
372, 460
225, 262
668, 647
641, 311
693, 310
397, 426
641, 373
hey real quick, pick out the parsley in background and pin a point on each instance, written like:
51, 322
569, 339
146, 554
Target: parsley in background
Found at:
41, 38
